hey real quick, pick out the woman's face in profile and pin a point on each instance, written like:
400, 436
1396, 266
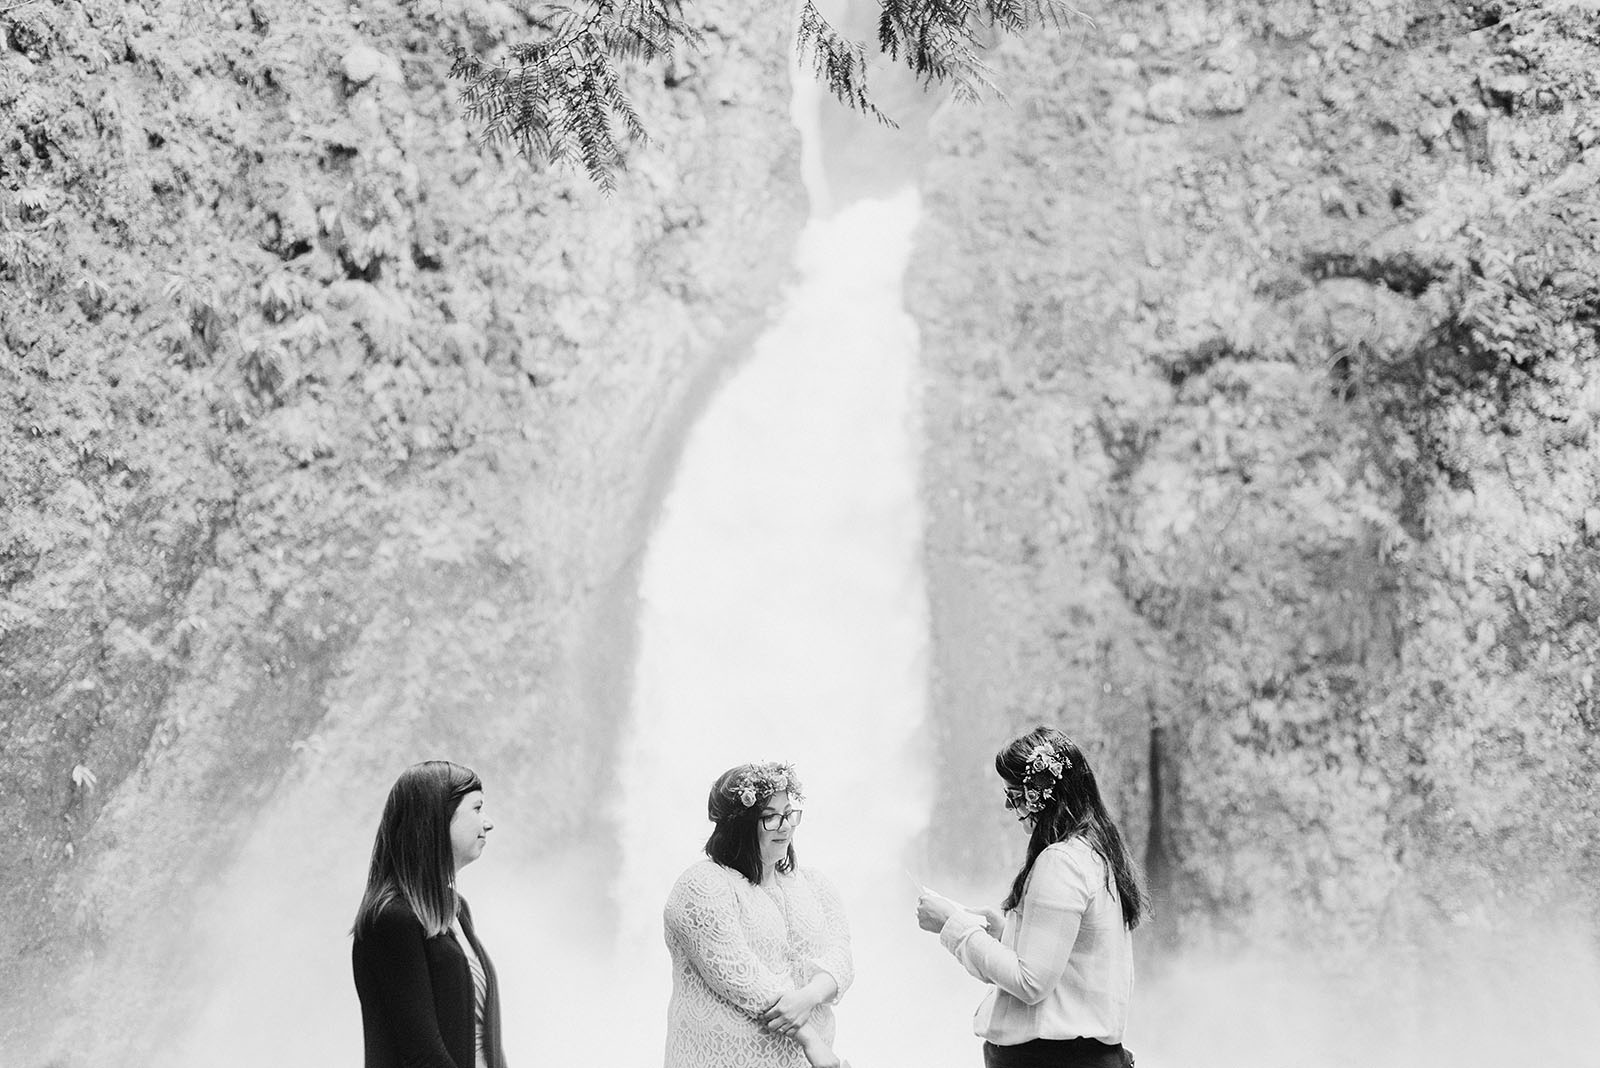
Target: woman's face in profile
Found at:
783, 815
469, 829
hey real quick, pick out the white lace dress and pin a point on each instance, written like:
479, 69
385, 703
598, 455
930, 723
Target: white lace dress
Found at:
735, 948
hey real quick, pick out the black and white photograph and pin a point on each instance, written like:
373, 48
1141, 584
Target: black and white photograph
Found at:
799, 533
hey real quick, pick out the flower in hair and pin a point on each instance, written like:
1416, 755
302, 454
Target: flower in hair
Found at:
1041, 774
761, 781
1044, 758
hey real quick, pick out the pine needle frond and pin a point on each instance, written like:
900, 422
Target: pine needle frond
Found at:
938, 39
559, 98
838, 63
647, 29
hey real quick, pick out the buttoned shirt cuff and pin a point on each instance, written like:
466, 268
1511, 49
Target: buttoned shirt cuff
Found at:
958, 928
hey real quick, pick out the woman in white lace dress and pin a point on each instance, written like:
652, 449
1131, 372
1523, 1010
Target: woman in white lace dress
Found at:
760, 946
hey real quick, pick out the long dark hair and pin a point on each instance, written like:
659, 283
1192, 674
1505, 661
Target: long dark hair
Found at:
1074, 809
412, 859
735, 841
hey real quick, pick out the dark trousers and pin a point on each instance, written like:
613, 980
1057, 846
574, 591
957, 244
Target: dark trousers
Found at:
1057, 1053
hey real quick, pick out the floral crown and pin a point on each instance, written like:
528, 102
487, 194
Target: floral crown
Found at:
760, 781
1040, 775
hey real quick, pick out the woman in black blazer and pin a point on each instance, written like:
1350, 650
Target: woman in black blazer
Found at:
428, 993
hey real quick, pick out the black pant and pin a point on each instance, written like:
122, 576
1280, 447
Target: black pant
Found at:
1057, 1053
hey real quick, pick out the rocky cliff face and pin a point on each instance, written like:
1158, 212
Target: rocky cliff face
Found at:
1261, 409
323, 426
1262, 342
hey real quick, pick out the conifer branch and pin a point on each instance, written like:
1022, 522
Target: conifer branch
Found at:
560, 97
838, 63
555, 98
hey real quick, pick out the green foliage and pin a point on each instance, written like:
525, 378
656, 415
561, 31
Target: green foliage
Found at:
559, 97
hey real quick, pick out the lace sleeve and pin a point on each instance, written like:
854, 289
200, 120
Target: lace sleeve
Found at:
702, 915
833, 955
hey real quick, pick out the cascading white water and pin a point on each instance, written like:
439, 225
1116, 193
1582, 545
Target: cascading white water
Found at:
783, 616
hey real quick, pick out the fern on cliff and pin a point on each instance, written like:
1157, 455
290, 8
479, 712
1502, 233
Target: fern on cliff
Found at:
559, 98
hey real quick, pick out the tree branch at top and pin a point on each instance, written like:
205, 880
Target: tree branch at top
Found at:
560, 99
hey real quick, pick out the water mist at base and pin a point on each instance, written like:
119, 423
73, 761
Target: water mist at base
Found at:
1475, 999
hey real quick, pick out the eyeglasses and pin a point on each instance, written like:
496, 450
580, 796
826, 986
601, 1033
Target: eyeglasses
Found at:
1016, 797
773, 820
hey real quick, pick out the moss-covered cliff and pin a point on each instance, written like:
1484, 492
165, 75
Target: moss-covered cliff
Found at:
1262, 342
322, 427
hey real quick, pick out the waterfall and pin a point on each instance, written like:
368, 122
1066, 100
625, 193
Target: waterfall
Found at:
783, 617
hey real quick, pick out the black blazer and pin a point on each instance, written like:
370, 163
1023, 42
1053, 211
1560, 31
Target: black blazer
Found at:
416, 995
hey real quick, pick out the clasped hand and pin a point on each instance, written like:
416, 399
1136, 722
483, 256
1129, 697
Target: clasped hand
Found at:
789, 1013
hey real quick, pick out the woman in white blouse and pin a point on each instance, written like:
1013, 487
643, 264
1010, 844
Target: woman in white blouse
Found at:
760, 946
1059, 952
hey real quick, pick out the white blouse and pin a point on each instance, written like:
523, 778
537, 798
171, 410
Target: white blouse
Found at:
480, 992
736, 947
1063, 966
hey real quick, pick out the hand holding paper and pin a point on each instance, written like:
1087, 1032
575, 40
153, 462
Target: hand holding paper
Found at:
934, 908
